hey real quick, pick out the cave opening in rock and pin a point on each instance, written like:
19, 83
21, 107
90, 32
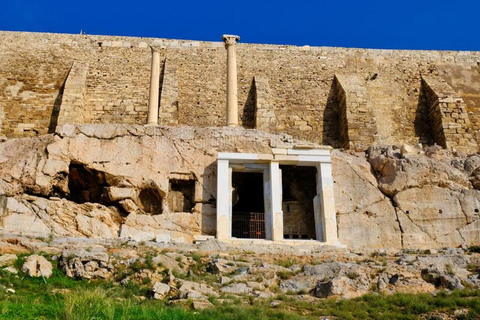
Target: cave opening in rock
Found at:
150, 200
87, 185
181, 195
299, 190
248, 209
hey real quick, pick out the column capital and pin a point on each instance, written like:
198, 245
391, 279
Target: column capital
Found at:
230, 39
157, 49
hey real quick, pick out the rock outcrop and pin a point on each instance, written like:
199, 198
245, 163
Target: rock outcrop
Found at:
37, 266
393, 198
124, 187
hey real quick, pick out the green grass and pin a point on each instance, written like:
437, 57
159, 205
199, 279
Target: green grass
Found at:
64, 299
287, 263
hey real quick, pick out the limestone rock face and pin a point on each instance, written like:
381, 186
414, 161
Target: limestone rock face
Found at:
394, 198
363, 212
126, 186
37, 266
39, 216
397, 172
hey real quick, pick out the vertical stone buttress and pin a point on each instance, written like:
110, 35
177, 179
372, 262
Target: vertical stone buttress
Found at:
448, 116
232, 99
74, 92
357, 123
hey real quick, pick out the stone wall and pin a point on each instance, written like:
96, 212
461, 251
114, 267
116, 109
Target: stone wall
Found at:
280, 88
450, 123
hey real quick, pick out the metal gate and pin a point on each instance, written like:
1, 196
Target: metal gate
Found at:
248, 225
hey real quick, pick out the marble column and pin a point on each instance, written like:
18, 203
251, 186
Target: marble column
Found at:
224, 200
324, 204
152, 118
232, 99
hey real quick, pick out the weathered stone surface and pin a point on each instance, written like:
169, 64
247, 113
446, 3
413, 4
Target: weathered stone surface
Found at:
88, 264
398, 172
7, 259
221, 266
116, 193
194, 290
363, 212
337, 286
372, 193
201, 304
237, 288
37, 266
435, 215
160, 290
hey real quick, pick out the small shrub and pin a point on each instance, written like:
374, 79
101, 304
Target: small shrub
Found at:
291, 293
285, 263
449, 269
352, 275
196, 256
284, 275
149, 262
473, 267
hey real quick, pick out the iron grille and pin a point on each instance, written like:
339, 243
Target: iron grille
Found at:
248, 225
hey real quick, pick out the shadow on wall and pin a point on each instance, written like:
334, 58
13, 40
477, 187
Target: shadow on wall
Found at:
331, 119
209, 200
57, 105
422, 124
249, 108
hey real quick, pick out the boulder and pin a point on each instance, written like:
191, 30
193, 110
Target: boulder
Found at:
441, 279
237, 288
7, 259
201, 304
336, 286
194, 290
221, 266
297, 284
160, 290
87, 264
37, 266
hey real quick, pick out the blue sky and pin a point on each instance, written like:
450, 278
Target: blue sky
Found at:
447, 25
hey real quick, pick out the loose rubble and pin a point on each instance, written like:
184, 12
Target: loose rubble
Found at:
184, 272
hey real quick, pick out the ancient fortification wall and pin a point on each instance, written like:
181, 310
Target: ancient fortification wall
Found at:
336, 96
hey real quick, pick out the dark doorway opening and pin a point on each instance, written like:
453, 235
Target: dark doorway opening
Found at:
248, 208
181, 195
87, 185
299, 190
